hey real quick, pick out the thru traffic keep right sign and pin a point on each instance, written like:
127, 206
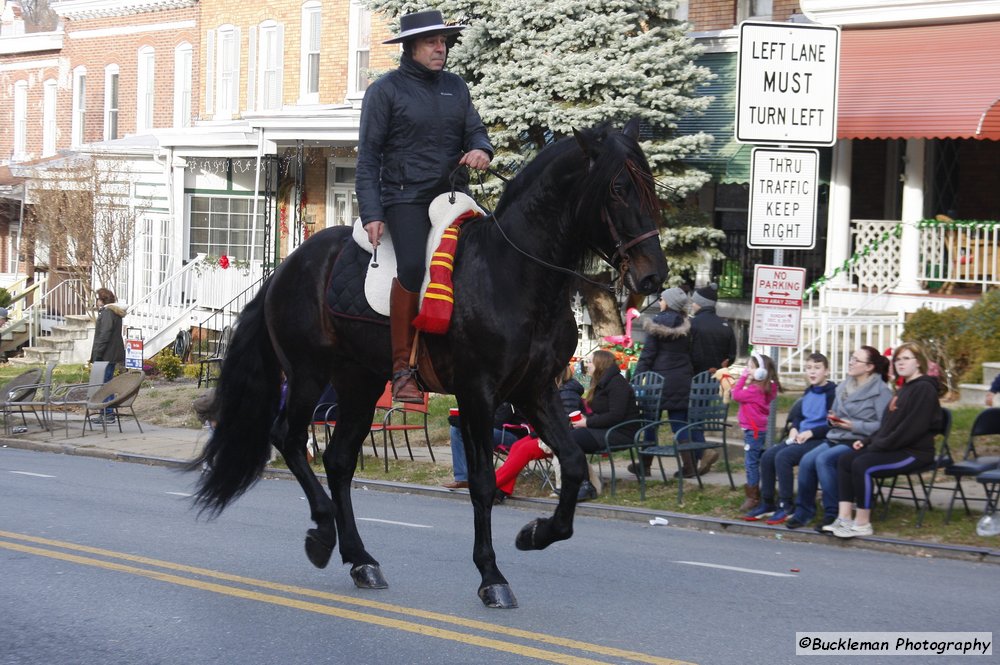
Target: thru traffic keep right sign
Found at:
783, 199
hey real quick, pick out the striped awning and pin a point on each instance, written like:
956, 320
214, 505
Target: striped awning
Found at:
933, 81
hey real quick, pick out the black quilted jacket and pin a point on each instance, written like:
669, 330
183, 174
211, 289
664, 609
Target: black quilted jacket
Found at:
415, 125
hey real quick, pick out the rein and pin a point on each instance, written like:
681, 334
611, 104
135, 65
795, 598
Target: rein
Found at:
621, 248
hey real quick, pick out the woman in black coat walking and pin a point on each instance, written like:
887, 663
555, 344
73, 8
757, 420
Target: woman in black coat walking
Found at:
108, 344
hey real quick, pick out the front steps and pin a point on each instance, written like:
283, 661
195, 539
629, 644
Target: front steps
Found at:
68, 344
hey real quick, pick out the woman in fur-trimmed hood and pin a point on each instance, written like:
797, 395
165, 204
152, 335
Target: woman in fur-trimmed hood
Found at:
667, 350
108, 343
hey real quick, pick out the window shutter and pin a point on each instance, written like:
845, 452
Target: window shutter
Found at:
235, 102
252, 69
210, 72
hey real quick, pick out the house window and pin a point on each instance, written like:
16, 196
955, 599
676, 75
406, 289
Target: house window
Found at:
359, 46
20, 120
110, 102
758, 9
144, 90
309, 67
79, 106
182, 85
49, 118
224, 225
228, 59
271, 58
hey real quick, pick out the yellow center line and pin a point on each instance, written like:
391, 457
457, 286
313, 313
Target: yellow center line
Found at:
324, 609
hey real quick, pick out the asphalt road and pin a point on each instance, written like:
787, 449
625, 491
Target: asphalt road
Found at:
104, 562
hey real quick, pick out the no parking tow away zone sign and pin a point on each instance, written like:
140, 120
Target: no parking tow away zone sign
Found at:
776, 312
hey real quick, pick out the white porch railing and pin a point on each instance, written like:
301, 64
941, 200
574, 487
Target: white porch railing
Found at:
161, 312
960, 252
62, 300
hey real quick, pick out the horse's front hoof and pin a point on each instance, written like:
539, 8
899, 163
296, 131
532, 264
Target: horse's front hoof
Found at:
528, 536
499, 596
368, 576
318, 548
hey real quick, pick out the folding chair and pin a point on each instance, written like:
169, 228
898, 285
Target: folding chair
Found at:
18, 395
942, 459
72, 396
215, 360
408, 418
707, 412
117, 394
987, 423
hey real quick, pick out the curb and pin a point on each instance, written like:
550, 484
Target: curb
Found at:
978, 554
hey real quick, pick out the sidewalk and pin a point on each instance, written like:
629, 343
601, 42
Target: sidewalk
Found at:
174, 446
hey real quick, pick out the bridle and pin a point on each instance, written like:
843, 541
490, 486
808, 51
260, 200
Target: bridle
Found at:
621, 247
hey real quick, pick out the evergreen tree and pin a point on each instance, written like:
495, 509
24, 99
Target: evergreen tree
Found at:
537, 70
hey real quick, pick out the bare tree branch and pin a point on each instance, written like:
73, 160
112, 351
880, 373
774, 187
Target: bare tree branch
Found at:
84, 221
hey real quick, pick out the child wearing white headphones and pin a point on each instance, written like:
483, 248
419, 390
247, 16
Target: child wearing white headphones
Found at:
754, 391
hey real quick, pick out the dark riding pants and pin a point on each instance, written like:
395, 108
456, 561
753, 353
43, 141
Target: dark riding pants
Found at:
409, 227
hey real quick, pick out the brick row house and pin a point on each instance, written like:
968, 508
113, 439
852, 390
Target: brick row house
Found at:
237, 125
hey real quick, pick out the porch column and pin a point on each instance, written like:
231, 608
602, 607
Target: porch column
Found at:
912, 212
838, 222
179, 224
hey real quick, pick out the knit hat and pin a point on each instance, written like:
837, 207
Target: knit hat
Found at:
706, 296
675, 298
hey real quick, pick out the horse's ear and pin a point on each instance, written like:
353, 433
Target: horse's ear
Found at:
632, 129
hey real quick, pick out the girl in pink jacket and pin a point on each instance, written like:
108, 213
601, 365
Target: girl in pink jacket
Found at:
754, 391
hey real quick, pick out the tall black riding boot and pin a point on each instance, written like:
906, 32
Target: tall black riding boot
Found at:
402, 311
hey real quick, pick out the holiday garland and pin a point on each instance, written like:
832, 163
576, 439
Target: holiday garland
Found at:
897, 231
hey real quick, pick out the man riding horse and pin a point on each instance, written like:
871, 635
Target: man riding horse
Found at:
417, 122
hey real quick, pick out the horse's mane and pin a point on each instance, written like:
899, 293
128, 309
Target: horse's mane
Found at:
594, 182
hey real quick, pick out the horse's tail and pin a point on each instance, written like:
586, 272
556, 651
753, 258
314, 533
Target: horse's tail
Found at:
246, 402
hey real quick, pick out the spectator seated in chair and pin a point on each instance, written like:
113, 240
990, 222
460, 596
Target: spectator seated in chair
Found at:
530, 448
904, 442
808, 430
508, 427
611, 401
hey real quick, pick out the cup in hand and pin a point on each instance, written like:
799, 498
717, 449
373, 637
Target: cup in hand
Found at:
575, 417
453, 411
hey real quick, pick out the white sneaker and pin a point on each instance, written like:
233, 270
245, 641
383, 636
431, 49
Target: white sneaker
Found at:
853, 531
839, 522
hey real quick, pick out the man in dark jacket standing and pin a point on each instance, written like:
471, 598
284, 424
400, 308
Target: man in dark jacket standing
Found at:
713, 342
417, 124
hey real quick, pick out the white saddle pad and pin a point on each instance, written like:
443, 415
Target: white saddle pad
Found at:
378, 281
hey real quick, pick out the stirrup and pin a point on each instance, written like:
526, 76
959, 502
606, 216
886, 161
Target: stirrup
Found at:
405, 387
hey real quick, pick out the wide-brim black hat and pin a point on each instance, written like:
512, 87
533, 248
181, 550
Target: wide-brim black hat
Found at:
423, 24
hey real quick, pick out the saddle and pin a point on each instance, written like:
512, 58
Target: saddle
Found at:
356, 263
443, 211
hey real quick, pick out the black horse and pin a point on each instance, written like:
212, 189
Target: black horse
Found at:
512, 332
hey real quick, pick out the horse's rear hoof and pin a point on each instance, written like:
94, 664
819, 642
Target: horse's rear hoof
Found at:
318, 548
368, 576
499, 596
